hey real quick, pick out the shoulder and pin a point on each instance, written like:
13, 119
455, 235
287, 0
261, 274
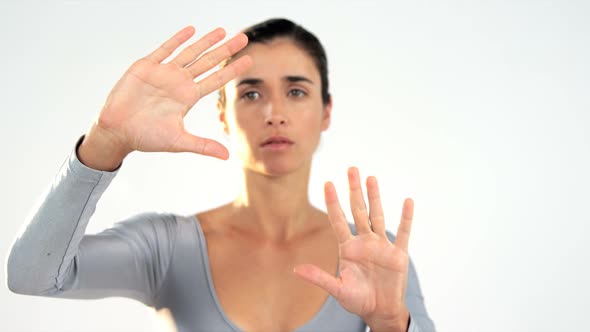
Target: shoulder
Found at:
150, 227
213, 220
147, 220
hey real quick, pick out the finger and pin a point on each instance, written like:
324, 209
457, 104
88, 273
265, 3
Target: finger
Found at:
405, 225
335, 214
200, 145
193, 51
357, 202
221, 77
171, 44
213, 58
319, 277
375, 208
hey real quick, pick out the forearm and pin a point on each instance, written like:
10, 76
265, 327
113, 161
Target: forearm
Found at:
42, 253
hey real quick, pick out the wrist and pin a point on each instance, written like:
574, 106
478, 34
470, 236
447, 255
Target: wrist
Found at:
400, 323
100, 151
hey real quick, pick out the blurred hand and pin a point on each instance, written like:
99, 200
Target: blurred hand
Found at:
145, 110
373, 271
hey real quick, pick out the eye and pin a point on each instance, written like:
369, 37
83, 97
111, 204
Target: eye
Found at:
297, 92
251, 95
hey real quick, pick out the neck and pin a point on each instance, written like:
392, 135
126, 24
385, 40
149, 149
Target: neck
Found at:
275, 208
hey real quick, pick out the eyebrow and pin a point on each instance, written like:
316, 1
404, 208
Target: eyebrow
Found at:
291, 78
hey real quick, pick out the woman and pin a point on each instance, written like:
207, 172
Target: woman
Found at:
269, 260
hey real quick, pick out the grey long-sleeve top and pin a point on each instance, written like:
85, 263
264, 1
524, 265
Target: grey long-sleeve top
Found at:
159, 259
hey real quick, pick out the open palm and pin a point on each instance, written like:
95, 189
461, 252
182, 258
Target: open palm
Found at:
373, 271
146, 108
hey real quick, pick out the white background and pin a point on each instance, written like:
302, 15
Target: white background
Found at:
479, 111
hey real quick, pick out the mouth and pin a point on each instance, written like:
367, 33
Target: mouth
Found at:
277, 143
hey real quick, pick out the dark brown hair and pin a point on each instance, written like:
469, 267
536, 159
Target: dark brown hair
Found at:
268, 30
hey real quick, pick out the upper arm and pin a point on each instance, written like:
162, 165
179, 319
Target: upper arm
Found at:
129, 259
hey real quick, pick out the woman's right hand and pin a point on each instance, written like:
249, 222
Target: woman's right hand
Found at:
145, 110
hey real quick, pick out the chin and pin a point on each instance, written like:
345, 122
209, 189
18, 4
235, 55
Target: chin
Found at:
276, 169
278, 166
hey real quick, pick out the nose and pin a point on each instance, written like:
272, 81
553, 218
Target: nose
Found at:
275, 115
276, 121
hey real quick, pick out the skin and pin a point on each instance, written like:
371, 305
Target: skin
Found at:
271, 224
274, 201
287, 243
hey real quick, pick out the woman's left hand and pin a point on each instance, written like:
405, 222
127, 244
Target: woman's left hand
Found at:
373, 271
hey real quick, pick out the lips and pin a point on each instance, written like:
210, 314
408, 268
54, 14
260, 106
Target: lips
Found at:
276, 140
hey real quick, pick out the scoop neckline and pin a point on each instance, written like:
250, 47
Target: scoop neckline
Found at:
207, 267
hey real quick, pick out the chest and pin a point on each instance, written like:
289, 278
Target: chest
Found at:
256, 286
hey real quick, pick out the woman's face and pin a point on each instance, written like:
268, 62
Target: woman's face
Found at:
274, 112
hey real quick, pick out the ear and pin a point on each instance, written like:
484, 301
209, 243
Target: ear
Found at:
327, 115
222, 119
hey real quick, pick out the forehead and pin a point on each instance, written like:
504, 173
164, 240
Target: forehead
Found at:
278, 58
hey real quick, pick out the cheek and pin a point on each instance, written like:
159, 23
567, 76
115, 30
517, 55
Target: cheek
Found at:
247, 120
311, 128
313, 119
245, 127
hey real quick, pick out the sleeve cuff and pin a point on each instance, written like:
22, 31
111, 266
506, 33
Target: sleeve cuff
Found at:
83, 171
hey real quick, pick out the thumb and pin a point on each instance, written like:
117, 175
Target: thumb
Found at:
208, 147
318, 277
